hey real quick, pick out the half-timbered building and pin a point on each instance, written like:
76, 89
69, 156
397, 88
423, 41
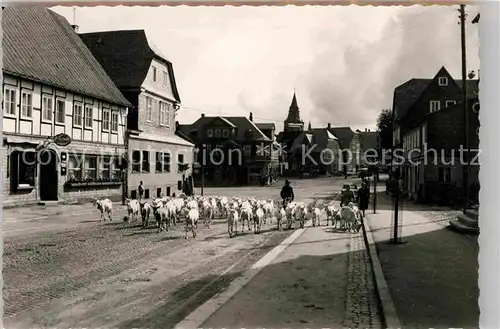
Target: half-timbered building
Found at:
53, 86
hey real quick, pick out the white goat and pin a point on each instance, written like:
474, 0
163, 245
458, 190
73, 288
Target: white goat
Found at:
232, 222
192, 222
133, 209
105, 206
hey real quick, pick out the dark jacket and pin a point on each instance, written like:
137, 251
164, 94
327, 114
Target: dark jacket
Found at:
287, 192
364, 198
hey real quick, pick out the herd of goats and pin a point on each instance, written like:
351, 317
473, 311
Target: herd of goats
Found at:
251, 212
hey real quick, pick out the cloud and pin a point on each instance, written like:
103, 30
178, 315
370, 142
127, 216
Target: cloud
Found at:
416, 42
344, 62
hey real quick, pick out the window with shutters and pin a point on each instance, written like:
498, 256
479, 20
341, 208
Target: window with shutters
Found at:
47, 108
26, 104
88, 116
114, 121
105, 120
9, 101
77, 115
60, 110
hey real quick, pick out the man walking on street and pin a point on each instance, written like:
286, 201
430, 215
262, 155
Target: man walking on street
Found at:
347, 196
141, 190
287, 192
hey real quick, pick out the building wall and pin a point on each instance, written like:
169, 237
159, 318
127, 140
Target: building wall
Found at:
36, 126
434, 92
25, 133
153, 180
64, 194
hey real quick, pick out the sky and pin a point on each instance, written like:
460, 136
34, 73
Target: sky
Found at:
342, 61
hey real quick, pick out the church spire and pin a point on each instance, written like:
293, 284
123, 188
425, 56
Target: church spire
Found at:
293, 122
293, 112
309, 126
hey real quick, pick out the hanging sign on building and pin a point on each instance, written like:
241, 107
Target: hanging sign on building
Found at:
62, 139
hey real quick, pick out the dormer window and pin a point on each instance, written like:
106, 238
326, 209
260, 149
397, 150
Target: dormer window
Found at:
434, 106
450, 103
443, 81
225, 133
210, 133
217, 133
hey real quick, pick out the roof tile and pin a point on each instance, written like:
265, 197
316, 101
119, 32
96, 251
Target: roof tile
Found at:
40, 45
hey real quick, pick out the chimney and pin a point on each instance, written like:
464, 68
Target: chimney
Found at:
329, 125
251, 117
203, 115
75, 27
366, 130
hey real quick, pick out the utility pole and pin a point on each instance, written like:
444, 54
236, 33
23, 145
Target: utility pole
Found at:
375, 181
202, 167
463, 16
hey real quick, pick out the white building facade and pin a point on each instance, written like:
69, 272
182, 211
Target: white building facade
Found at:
155, 151
57, 90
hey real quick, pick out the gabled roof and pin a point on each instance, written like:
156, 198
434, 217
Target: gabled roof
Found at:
344, 136
320, 137
41, 46
127, 56
266, 126
406, 94
369, 140
242, 125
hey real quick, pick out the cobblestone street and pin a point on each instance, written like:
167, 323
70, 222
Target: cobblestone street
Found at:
115, 274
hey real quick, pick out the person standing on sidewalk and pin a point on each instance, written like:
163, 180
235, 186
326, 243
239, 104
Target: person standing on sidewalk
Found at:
364, 198
140, 188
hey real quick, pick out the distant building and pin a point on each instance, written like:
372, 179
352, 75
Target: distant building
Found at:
52, 84
232, 150
293, 127
428, 114
158, 156
319, 150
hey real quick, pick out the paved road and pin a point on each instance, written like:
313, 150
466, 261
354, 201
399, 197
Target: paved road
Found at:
64, 271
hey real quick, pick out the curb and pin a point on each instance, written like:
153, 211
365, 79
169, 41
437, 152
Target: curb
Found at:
207, 309
388, 310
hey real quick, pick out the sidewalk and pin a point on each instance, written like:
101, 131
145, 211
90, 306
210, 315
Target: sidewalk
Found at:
432, 277
321, 280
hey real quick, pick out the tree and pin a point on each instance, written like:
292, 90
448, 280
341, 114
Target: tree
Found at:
384, 126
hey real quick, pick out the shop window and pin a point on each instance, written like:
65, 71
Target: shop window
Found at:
158, 192
90, 167
146, 194
75, 164
23, 169
168, 190
116, 171
105, 167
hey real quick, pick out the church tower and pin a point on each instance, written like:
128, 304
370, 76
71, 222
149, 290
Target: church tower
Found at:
293, 122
